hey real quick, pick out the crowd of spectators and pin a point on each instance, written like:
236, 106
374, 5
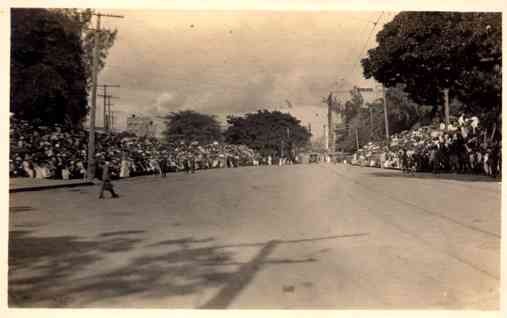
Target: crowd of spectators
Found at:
464, 147
61, 153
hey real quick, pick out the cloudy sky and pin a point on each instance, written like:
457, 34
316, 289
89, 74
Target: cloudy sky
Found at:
235, 62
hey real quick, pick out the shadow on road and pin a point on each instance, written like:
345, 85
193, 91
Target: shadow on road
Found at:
50, 261
183, 242
117, 233
247, 271
240, 279
57, 271
442, 176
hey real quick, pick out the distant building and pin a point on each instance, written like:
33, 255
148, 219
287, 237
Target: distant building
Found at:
142, 126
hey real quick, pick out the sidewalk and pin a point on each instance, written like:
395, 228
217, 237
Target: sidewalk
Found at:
31, 184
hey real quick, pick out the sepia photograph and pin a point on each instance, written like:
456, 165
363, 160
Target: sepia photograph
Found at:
254, 159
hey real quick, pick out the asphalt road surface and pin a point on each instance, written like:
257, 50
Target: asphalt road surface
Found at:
301, 237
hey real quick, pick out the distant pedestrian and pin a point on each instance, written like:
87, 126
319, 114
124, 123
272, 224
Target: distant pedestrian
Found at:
383, 159
106, 181
404, 161
124, 170
188, 165
435, 160
163, 166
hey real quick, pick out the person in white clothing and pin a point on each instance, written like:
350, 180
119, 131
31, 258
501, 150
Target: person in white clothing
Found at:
38, 171
461, 120
474, 123
485, 162
65, 173
124, 170
45, 171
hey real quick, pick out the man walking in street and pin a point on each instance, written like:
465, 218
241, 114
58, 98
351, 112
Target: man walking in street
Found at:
106, 181
163, 164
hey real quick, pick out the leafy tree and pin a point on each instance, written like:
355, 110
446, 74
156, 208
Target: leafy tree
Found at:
402, 111
353, 105
190, 126
51, 62
268, 132
430, 51
81, 21
48, 78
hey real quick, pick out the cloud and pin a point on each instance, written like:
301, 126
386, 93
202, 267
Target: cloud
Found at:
269, 57
168, 102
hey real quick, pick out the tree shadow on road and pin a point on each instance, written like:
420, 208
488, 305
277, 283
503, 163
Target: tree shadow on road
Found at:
119, 233
182, 242
246, 272
47, 271
39, 264
55, 271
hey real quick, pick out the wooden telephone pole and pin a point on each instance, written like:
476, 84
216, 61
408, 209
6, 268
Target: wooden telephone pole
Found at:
357, 139
107, 110
386, 118
106, 106
446, 108
90, 173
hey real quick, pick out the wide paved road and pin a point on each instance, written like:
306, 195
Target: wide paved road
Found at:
301, 237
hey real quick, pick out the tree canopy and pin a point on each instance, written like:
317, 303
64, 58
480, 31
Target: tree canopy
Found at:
430, 51
81, 21
403, 114
51, 64
190, 126
48, 79
269, 132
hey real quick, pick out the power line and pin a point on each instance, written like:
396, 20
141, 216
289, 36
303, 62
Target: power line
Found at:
107, 110
105, 96
90, 173
353, 63
351, 56
360, 19
356, 63
367, 40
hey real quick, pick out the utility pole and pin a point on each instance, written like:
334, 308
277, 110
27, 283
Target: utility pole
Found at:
107, 110
330, 124
333, 115
326, 138
386, 118
90, 169
360, 90
105, 116
110, 116
110, 112
113, 118
446, 108
357, 140
90, 173
289, 144
332, 112
370, 109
